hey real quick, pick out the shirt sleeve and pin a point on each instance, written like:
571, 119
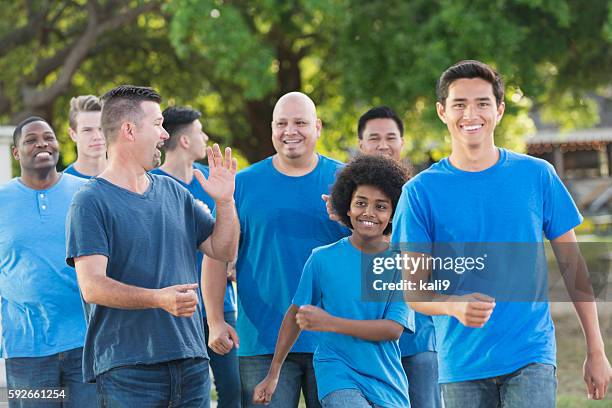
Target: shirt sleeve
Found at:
560, 212
204, 221
400, 313
411, 224
85, 231
309, 289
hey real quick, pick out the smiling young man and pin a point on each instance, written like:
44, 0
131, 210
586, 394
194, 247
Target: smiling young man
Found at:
132, 237
282, 218
43, 326
85, 130
493, 354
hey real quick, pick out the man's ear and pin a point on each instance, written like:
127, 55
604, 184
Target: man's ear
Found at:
184, 141
15, 152
319, 127
128, 130
441, 112
500, 111
72, 134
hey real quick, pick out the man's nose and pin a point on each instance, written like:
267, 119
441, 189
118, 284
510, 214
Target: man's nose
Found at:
468, 112
164, 135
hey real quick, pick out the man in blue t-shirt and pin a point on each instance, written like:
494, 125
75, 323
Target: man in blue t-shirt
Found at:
492, 353
186, 143
86, 132
43, 326
132, 237
282, 218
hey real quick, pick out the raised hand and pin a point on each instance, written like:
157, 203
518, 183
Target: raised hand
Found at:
264, 390
222, 176
313, 318
178, 300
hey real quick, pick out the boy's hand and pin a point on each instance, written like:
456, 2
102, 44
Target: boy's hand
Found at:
313, 318
473, 310
597, 375
264, 390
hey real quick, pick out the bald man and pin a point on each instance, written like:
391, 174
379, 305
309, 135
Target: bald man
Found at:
282, 218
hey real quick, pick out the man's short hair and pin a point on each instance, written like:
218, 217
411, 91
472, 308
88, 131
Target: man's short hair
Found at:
176, 119
83, 103
121, 104
20, 125
470, 69
379, 112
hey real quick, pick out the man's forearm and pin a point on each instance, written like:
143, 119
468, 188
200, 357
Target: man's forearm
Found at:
226, 233
587, 314
105, 291
214, 282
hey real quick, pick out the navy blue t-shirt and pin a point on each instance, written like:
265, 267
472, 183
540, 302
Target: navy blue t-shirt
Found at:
150, 241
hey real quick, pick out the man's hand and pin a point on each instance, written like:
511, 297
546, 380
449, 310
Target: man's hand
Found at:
264, 390
472, 310
231, 271
597, 375
313, 318
178, 300
330, 210
222, 337
221, 179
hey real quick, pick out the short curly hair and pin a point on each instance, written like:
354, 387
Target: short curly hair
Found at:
377, 171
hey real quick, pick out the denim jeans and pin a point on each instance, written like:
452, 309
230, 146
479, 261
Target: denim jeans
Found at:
226, 375
297, 373
61, 370
345, 399
178, 383
422, 372
534, 385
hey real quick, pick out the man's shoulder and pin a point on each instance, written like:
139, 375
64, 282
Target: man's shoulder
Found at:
10, 188
202, 167
256, 169
530, 162
332, 163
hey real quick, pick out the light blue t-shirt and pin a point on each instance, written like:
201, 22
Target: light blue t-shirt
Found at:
40, 302
423, 339
332, 279
72, 170
150, 241
282, 219
520, 199
196, 190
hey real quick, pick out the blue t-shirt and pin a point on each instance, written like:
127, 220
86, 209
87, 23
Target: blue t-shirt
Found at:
332, 279
40, 302
196, 190
72, 170
150, 241
517, 200
423, 339
282, 219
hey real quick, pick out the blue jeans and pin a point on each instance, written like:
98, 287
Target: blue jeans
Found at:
178, 383
534, 385
61, 370
225, 370
347, 398
422, 372
297, 373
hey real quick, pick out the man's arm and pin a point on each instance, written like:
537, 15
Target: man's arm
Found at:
96, 287
314, 318
597, 371
222, 337
287, 336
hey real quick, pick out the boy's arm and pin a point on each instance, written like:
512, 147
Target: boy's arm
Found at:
316, 319
597, 371
287, 336
472, 310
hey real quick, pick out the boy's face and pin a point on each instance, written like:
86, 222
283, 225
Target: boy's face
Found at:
88, 135
370, 212
470, 112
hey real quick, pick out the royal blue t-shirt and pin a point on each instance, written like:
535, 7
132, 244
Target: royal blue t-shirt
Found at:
332, 280
72, 170
196, 190
40, 302
150, 241
282, 219
423, 339
520, 199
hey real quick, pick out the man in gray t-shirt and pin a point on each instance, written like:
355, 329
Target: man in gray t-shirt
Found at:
131, 237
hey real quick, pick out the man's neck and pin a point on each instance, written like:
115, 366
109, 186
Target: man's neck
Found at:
179, 167
295, 167
41, 180
473, 160
90, 166
123, 171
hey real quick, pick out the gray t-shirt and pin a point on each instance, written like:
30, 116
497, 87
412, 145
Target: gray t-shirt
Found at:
149, 240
